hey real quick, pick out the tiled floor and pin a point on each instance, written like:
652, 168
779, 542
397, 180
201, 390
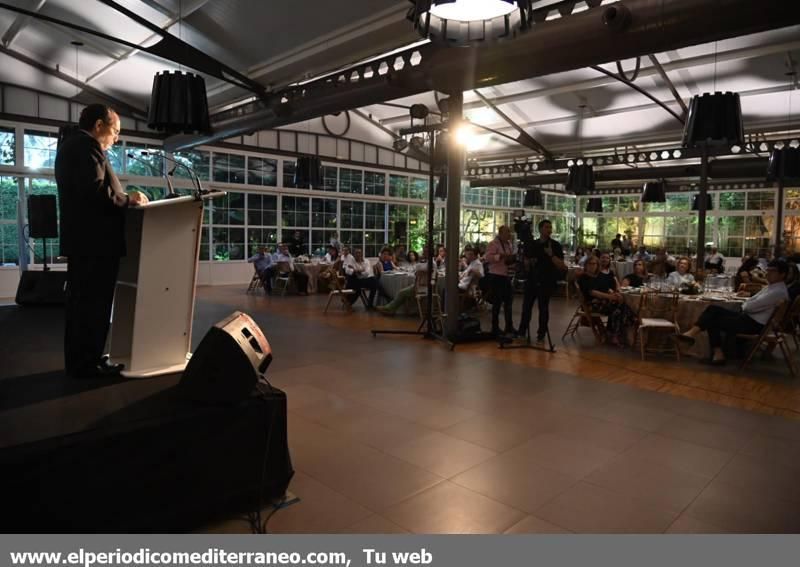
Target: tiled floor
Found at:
396, 434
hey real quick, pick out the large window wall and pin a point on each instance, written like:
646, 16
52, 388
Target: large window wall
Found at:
740, 222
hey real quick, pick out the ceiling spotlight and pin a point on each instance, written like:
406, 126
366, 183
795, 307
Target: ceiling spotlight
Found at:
418, 111
400, 144
463, 22
466, 137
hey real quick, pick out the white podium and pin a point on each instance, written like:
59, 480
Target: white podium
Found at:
151, 329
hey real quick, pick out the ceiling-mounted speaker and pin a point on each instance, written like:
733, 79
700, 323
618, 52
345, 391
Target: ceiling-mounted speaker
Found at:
533, 198
594, 205
714, 119
178, 103
784, 165
308, 172
696, 202
653, 192
580, 179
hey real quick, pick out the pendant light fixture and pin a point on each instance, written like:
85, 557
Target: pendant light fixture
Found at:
594, 205
533, 198
465, 22
696, 202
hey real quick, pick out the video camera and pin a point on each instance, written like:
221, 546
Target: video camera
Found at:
522, 227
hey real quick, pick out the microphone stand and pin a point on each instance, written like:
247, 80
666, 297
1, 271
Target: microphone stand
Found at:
192, 174
170, 189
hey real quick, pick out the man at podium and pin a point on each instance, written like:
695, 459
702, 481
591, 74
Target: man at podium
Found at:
92, 206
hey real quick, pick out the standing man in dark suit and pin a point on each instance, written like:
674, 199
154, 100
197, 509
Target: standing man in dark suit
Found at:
545, 259
92, 204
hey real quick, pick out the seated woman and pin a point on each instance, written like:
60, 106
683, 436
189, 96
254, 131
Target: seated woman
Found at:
638, 277
332, 256
386, 261
681, 279
408, 293
748, 272
605, 299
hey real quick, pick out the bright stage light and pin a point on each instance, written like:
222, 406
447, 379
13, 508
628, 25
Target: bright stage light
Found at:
472, 10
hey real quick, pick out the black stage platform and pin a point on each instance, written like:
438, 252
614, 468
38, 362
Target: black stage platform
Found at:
124, 455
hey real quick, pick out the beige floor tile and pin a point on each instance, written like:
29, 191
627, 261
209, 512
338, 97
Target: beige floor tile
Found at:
491, 432
774, 451
374, 524
320, 509
534, 525
420, 409
774, 481
663, 486
303, 395
598, 432
783, 428
515, 481
448, 508
442, 454
708, 434
688, 525
632, 415
744, 511
564, 455
368, 476
586, 508
682, 455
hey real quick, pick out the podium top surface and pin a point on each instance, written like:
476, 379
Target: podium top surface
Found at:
182, 199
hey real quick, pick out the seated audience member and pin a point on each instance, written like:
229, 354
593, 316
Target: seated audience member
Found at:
386, 261
282, 256
412, 259
616, 242
604, 298
715, 262
400, 255
407, 293
662, 264
747, 273
642, 254
578, 256
360, 276
263, 263
295, 244
618, 256
472, 272
606, 274
749, 319
335, 242
638, 277
332, 255
681, 279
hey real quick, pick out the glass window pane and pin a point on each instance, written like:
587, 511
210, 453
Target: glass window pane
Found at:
678, 202
732, 200
294, 212
323, 213
329, 178
374, 183
398, 186
418, 188
351, 180
760, 200
375, 216
398, 225
8, 148
40, 148
149, 165
198, 161
352, 215
289, 167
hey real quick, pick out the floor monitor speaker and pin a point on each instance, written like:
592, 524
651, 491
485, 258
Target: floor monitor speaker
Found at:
228, 363
42, 288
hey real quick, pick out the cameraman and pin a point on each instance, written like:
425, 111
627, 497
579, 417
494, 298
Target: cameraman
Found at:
500, 255
544, 258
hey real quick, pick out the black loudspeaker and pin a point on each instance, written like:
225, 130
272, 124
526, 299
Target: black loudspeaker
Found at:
42, 288
308, 172
42, 217
228, 363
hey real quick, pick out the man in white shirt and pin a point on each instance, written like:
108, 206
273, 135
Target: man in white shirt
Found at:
754, 314
642, 254
282, 256
472, 273
715, 261
360, 275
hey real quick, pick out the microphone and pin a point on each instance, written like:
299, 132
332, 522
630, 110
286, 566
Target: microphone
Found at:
192, 173
170, 190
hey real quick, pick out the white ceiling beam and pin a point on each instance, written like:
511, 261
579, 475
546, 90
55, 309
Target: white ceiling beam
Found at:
191, 7
19, 22
733, 55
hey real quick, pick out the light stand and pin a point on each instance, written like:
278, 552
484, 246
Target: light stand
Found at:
427, 328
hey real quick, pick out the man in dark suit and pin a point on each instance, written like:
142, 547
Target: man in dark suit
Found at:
545, 260
92, 204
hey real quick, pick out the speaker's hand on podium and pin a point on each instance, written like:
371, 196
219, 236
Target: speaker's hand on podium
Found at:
138, 198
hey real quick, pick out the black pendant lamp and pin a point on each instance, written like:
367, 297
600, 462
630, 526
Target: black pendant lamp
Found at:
714, 119
653, 192
594, 205
533, 198
441, 188
696, 202
178, 103
580, 179
784, 165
